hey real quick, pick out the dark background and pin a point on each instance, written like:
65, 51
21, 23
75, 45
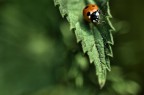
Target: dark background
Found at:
39, 56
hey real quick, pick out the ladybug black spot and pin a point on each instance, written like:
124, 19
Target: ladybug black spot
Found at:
88, 14
93, 5
86, 7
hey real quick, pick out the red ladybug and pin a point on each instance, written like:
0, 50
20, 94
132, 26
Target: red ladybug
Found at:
91, 13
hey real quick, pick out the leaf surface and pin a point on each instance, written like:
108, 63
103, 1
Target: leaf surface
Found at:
96, 40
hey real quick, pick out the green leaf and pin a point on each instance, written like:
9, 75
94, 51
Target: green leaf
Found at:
96, 40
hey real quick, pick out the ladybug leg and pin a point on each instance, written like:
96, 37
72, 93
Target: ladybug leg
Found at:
100, 12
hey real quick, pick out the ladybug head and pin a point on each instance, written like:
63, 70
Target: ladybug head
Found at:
94, 17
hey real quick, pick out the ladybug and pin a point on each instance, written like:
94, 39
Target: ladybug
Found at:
91, 13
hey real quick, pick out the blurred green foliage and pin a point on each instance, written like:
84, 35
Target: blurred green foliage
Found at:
40, 56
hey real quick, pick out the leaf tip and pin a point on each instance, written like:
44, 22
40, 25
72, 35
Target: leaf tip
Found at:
102, 83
